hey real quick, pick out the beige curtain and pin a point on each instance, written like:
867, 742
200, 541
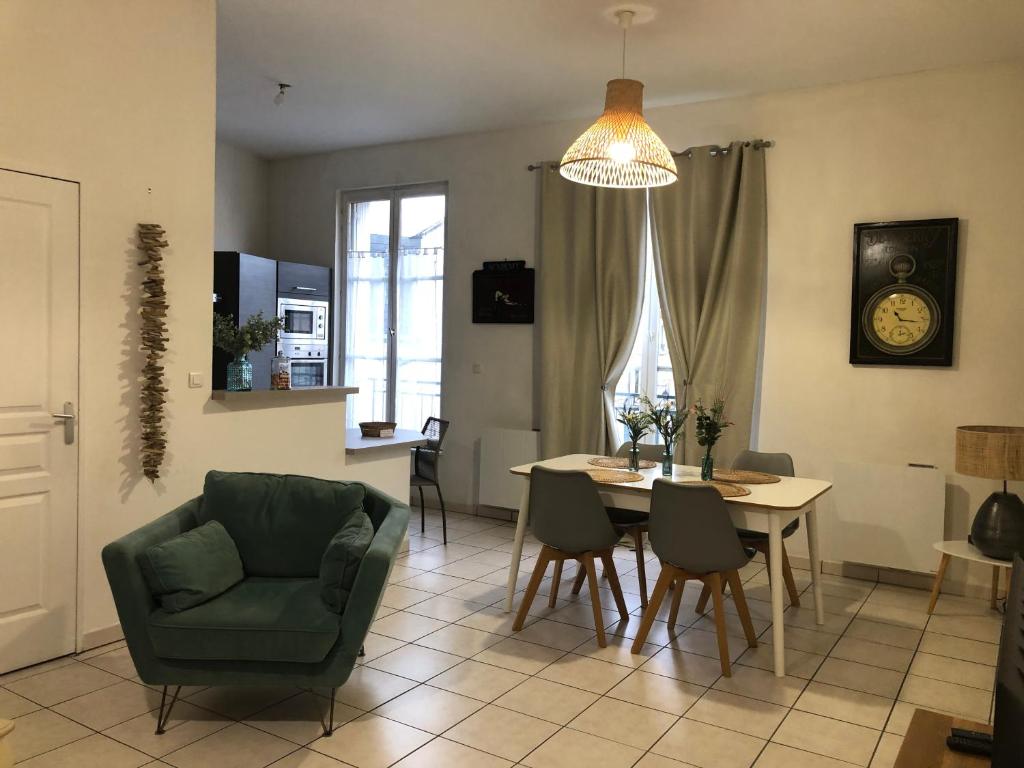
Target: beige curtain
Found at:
590, 277
709, 259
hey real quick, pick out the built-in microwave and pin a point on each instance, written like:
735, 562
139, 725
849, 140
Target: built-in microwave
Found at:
305, 321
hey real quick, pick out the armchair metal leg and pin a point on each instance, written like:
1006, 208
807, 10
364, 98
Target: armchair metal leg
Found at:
328, 726
362, 651
444, 519
164, 715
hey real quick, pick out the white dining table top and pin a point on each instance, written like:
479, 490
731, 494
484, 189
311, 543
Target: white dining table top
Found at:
789, 493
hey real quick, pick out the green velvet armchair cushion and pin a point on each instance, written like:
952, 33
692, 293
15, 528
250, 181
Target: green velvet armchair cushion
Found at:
259, 619
341, 561
191, 568
281, 524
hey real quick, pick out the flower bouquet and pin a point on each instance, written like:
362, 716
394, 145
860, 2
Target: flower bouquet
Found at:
637, 424
669, 422
710, 423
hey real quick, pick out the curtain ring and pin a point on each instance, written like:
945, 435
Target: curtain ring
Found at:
604, 387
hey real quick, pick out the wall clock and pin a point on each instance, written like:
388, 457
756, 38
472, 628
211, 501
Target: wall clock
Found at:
904, 286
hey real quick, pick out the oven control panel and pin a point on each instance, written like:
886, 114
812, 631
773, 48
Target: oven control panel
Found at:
297, 351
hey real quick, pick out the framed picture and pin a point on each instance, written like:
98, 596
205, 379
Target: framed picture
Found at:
904, 292
503, 293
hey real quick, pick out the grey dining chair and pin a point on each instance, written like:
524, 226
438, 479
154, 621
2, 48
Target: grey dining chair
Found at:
776, 464
570, 521
426, 460
693, 535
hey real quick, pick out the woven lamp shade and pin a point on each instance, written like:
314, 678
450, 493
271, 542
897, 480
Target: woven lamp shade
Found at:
993, 452
620, 149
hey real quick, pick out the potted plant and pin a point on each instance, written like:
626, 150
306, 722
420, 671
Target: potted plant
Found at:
637, 423
238, 341
710, 423
669, 422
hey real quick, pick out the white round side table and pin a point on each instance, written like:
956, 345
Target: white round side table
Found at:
967, 551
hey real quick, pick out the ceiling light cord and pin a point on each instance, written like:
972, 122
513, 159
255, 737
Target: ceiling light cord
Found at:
625, 21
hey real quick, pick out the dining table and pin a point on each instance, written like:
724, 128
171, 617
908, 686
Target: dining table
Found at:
768, 508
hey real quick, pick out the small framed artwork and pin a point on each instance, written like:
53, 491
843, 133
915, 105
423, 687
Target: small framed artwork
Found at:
503, 293
904, 292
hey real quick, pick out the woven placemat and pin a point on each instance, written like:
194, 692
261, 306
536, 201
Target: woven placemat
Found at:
726, 489
745, 476
613, 476
609, 463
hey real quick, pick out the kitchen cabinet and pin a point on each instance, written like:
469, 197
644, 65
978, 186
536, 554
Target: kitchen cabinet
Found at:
303, 281
243, 285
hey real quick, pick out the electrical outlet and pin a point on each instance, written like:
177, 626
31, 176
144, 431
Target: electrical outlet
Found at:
477, 368
195, 380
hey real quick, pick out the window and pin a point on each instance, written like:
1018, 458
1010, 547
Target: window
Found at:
394, 283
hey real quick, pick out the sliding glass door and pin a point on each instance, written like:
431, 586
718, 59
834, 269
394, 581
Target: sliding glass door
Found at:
394, 284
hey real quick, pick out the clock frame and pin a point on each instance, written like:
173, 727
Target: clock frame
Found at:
915, 257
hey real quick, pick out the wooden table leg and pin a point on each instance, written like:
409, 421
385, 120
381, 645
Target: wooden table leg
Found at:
937, 586
994, 602
517, 545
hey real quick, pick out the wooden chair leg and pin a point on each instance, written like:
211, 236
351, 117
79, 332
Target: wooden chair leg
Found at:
577, 585
733, 579
994, 602
677, 599
531, 589
667, 576
702, 601
641, 570
787, 575
714, 580
613, 582
556, 579
595, 598
937, 586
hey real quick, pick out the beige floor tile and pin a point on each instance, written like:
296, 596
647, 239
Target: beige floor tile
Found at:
762, 684
117, 662
367, 688
844, 587
237, 746
887, 750
651, 760
733, 626
806, 618
691, 667
555, 634
442, 753
429, 709
738, 713
111, 705
971, 703
582, 615
845, 704
298, 719
63, 683
401, 597
658, 692
188, 724
478, 681
238, 702
493, 620
462, 641
780, 756
985, 629
877, 655
573, 749
502, 732
828, 737
904, 597
884, 613
903, 712
860, 677
887, 634
583, 672
465, 570
806, 640
617, 650
36, 669
477, 592
660, 634
415, 662
307, 758
624, 722
41, 731
549, 701
94, 751
437, 583
371, 742
12, 705
512, 653
704, 643
956, 671
400, 573
406, 626
959, 648
445, 608
376, 646
798, 663
708, 746
834, 604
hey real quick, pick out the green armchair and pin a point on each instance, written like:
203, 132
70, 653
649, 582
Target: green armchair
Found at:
271, 628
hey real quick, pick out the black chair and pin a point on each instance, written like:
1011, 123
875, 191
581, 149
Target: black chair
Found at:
568, 518
693, 535
426, 459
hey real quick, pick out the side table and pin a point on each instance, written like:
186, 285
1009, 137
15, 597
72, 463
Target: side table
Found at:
967, 551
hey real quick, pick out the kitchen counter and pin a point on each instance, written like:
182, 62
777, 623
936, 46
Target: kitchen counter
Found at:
356, 444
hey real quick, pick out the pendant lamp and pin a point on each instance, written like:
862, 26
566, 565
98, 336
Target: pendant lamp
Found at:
620, 149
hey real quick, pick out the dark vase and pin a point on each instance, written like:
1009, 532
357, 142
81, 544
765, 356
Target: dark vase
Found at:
666, 461
707, 466
998, 528
634, 458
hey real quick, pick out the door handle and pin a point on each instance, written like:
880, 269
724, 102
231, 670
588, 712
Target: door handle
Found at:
68, 417
303, 288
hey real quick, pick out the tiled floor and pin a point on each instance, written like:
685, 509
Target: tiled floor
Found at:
446, 683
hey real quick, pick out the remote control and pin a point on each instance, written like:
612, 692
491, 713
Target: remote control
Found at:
973, 735
970, 746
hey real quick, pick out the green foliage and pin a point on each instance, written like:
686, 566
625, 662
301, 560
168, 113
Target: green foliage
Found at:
254, 335
710, 421
636, 422
666, 419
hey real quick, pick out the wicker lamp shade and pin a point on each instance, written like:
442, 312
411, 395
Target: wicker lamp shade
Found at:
993, 452
620, 149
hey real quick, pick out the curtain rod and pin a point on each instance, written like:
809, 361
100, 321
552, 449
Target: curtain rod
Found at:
714, 150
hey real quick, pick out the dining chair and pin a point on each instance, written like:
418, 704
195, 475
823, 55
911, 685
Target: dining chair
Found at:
774, 464
425, 468
691, 532
570, 521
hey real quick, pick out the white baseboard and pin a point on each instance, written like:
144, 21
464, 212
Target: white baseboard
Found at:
97, 637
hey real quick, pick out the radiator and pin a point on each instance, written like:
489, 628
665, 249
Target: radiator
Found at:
499, 450
887, 515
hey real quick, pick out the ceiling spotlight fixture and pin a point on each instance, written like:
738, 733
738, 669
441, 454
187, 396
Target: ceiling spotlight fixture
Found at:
281, 88
620, 149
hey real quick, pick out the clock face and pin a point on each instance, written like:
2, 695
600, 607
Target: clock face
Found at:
901, 319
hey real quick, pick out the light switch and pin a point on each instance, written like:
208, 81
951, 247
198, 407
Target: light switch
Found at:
195, 380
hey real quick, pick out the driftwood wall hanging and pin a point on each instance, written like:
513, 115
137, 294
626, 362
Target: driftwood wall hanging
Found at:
154, 342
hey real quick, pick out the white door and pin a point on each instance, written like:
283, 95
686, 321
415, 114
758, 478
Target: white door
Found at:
38, 450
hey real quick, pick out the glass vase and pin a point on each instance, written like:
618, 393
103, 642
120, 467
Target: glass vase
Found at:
634, 458
239, 374
666, 461
707, 466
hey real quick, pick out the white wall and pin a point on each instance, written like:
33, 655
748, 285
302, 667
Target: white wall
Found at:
932, 144
240, 213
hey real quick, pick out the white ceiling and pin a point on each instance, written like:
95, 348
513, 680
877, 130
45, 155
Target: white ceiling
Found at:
377, 71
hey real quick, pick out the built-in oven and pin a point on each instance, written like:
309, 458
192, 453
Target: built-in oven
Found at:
305, 321
307, 364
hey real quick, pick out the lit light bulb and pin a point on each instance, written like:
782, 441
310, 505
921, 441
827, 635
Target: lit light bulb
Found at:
621, 152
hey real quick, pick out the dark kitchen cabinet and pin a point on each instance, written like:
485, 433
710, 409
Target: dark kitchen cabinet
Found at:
303, 281
243, 285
